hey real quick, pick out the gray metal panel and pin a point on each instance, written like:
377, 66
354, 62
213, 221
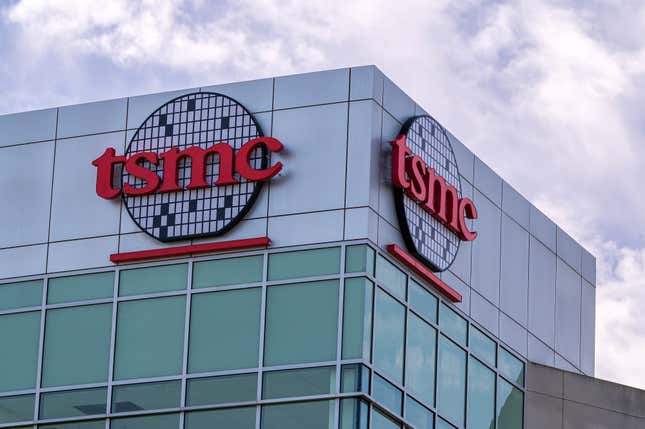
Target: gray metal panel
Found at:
569, 250
462, 263
486, 249
465, 158
567, 308
588, 326
540, 352
140, 107
25, 181
397, 102
27, 127
562, 363
361, 223
461, 287
488, 182
23, 261
589, 267
386, 207
254, 95
314, 164
76, 209
515, 205
543, 228
363, 154
366, 82
308, 89
81, 254
514, 276
484, 313
542, 278
297, 229
513, 334
91, 118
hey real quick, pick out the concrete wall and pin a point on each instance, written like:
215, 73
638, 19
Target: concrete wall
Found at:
557, 399
524, 279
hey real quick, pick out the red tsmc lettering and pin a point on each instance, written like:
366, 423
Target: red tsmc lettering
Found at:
229, 164
430, 190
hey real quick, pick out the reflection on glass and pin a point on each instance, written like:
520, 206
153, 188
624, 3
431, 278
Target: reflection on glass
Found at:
231, 418
357, 318
389, 328
304, 263
418, 415
359, 259
442, 424
353, 414
230, 271
451, 392
16, 408
390, 276
80, 288
511, 367
18, 364
75, 403
355, 378
93, 424
510, 406
420, 359
298, 415
481, 396
164, 278
423, 302
387, 394
221, 390
148, 396
453, 324
381, 421
161, 421
21, 294
482, 346
298, 382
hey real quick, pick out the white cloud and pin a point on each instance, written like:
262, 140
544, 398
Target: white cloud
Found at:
545, 91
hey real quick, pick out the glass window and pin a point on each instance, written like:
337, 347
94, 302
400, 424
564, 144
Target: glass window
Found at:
420, 359
418, 415
232, 418
453, 324
150, 337
442, 424
482, 346
148, 396
355, 378
389, 328
390, 276
21, 294
423, 301
16, 408
481, 396
353, 414
298, 382
164, 278
387, 394
511, 367
304, 263
92, 424
75, 403
381, 421
222, 390
18, 363
161, 421
451, 392
80, 288
224, 330
359, 259
510, 406
298, 415
233, 271
77, 345
357, 319
301, 323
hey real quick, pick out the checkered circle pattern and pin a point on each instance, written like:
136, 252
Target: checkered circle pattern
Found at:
198, 119
432, 240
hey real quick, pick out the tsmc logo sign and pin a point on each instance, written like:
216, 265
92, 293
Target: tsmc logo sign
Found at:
192, 169
431, 210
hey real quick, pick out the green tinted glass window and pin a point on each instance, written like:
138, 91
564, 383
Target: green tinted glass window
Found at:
301, 323
510, 406
353, 414
355, 378
80, 288
222, 390
357, 318
381, 421
423, 302
148, 396
161, 421
223, 272
387, 394
420, 359
19, 362
22, 294
418, 415
481, 396
16, 408
164, 278
75, 403
359, 259
482, 346
77, 345
298, 382
453, 324
224, 330
390, 276
389, 328
511, 367
304, 263
298, 415
94, 424
150, 337
451, 392
232, 418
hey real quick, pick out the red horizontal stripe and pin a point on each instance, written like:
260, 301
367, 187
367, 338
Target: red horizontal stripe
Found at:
190, 249
416, 266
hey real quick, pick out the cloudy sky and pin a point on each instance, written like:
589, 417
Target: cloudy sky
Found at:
548, 93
